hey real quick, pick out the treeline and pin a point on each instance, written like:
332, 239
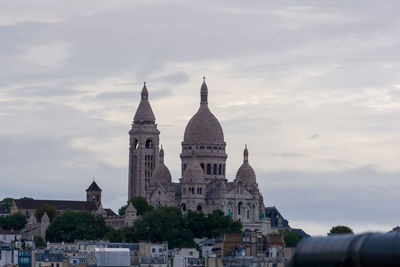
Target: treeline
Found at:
155, 225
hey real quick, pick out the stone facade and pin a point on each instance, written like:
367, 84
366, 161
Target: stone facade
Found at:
203, 185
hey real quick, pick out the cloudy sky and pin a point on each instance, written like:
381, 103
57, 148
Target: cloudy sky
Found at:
313, 89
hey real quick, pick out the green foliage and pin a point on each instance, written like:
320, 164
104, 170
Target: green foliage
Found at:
49, 209
6, 203
115, 235
15, 221
217, 223
39, 241
77, 225
168, 224
340, 229
290, 238
140, 205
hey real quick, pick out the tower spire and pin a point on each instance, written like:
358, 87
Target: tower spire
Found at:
145, 92
204, 92
162, 155
245, 154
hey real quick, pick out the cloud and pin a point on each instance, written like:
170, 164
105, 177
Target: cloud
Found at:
70, 81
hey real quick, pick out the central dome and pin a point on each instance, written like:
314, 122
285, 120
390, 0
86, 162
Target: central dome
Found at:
203, 127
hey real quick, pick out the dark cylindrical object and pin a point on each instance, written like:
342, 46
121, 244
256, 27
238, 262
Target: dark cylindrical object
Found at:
348, 250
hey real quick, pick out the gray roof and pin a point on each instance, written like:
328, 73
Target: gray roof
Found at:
58, 204
273, 214
144, 111
110, 213
93, 187
203, 127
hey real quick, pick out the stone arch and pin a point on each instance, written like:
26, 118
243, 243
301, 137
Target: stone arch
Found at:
149, 143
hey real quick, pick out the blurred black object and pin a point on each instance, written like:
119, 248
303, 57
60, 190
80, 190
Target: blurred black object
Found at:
371, 249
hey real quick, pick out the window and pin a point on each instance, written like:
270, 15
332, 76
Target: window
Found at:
135, 144
153, 250
199, 208
183, 207
202, 166
239, 207
220, 169
201, 147
215, 169
248, 214
208, 168
160, 250
149, 143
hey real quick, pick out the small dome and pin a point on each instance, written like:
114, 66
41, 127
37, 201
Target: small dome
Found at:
161, 173
246, 172
193, 169
203, 127
144, 111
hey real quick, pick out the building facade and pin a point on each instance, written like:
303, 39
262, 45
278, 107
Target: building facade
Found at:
203, 185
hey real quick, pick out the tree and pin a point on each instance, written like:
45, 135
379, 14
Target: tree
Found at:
39, 241
49, 209
196, 222
5, 204
340, 229
217, 223
16, 221
290, 238
140, 205
77, 225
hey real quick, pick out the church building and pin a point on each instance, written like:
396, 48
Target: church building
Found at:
203, 185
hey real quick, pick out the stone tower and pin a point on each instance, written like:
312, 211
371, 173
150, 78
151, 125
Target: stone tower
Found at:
204, 134
93, 194
143, 147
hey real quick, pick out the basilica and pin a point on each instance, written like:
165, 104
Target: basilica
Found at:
203, 185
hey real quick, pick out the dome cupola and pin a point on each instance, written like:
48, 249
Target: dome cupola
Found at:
246, 172
161, 173
203, 127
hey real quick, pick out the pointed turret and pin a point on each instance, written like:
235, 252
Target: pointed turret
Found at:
144, 113
245, 154
204, 93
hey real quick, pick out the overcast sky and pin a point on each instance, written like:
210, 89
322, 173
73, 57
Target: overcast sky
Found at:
313, 89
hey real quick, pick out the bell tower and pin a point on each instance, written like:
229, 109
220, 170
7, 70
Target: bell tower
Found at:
143, 147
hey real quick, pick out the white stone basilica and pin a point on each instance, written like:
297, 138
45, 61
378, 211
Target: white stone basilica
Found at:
203, 185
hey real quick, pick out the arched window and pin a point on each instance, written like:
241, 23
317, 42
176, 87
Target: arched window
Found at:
215, 169
220, 169
198, 190
192, 190
202, 166
149, 143
183, 207
135, 144
208, 168
248, 214
239, 207
199, 208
